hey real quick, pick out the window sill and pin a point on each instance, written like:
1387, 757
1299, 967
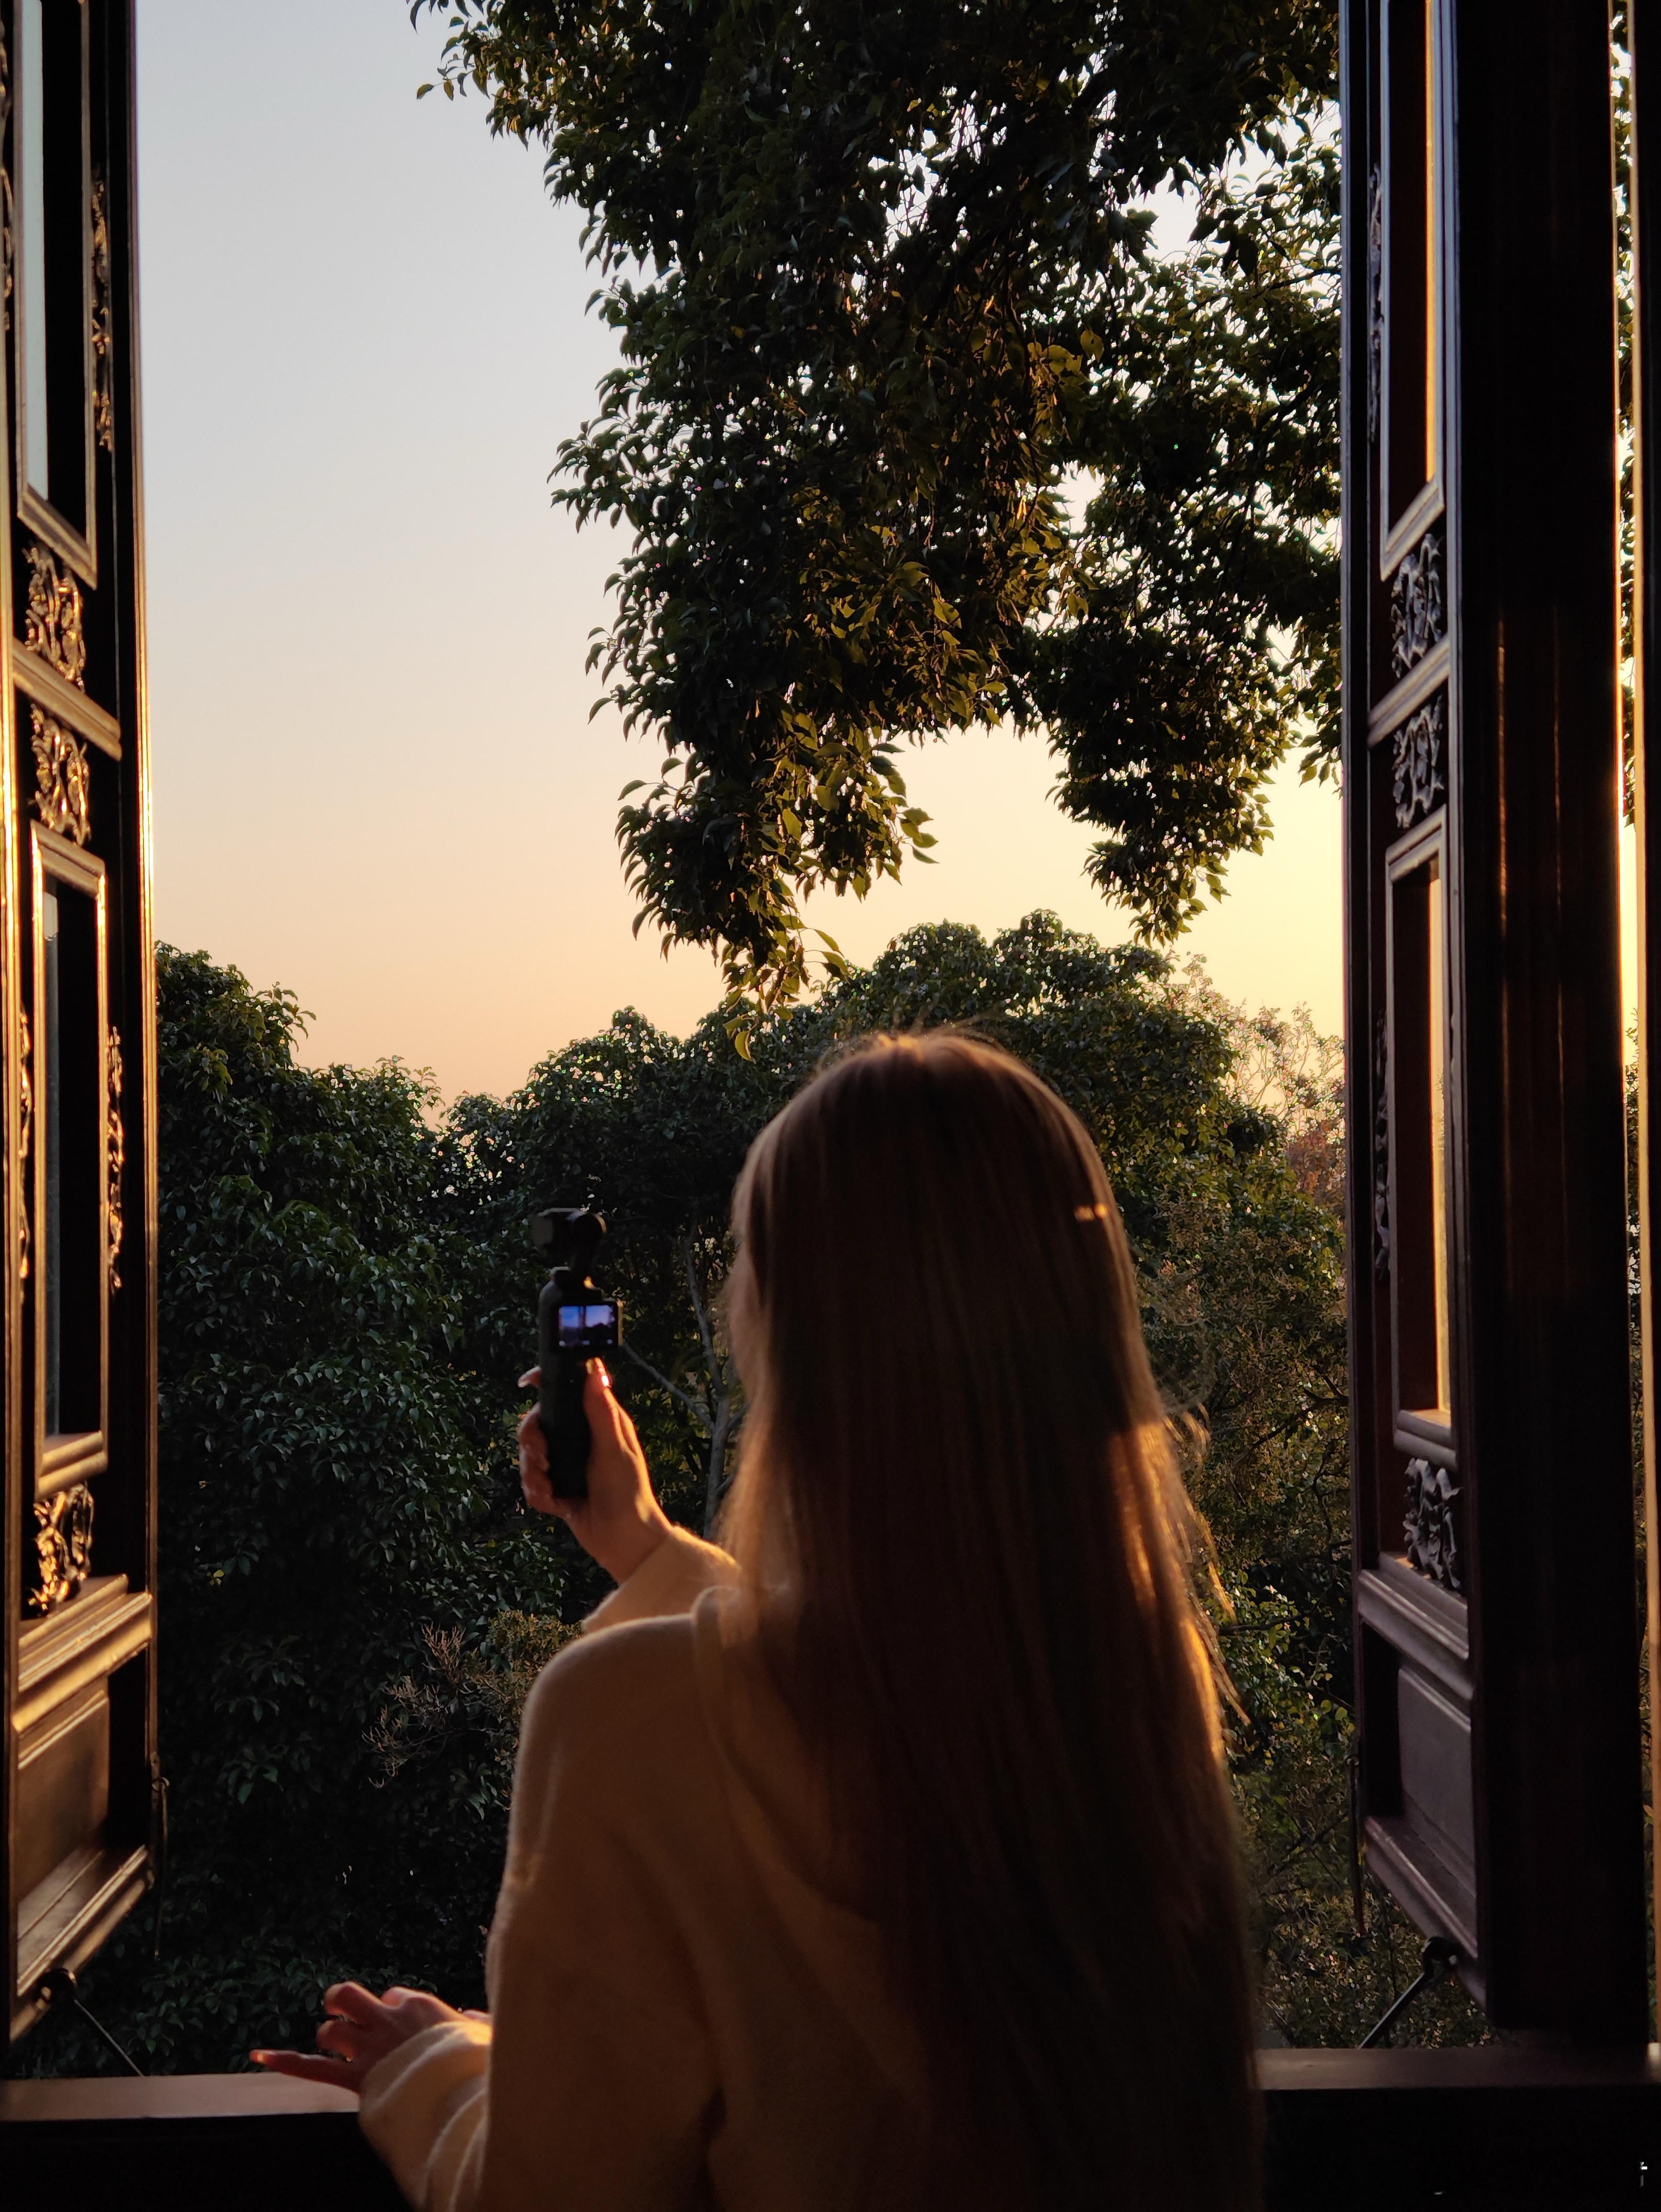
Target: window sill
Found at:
1357, 2128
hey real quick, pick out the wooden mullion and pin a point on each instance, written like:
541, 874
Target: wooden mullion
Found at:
1643, 31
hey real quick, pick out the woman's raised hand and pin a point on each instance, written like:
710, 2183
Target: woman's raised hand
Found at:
361, 2030
620, 1522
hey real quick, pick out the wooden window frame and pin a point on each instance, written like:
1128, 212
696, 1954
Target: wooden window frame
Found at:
1481, 619
81, 1791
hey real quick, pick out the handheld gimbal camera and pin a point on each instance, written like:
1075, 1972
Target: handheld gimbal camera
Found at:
575, 1324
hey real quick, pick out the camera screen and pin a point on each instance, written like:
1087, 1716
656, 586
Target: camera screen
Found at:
588, 1328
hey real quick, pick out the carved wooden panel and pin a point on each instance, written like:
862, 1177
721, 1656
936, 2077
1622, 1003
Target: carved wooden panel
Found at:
1496, 1639
76, 1267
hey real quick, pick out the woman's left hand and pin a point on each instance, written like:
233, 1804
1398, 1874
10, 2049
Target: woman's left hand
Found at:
359, 2032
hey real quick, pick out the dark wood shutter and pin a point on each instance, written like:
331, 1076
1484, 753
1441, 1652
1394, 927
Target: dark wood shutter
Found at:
81, 1780
1644, 24
1495, 1559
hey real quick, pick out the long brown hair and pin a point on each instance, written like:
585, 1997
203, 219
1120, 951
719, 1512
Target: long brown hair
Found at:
957, 1486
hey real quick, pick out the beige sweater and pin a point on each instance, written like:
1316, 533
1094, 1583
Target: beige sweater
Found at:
680, 2013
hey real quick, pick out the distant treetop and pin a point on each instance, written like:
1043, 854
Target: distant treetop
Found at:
916, 426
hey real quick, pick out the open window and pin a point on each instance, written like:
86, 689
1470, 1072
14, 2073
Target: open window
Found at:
81, 1778
1496, 1638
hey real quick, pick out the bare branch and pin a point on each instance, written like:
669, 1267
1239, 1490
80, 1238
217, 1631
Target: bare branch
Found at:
695, 1406
704, 1331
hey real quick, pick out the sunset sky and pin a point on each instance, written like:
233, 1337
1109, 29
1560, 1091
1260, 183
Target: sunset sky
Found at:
376, 780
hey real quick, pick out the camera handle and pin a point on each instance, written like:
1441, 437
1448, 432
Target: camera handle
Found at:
559, 1402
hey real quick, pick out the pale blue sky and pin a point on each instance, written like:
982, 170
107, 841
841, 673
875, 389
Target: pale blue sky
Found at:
375, 778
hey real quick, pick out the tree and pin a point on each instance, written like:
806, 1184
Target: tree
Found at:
334, 1478
884, 284
1223, 1138
354, 1602
652, 1129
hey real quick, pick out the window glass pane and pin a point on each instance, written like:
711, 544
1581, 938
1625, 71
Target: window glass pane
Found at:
70, 1105
31, 125
1412, 274
1420, 1221
1428, 35
1436, 998
54, 251
52, 1142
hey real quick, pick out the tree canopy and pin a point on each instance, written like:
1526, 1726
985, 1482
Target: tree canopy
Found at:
335, 1477
354, 1603
889, 307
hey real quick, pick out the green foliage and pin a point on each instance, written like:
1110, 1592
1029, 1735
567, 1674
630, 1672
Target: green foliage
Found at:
882, 281
1223, 1138
652, 1129
353, 1603
1198, 630
333, 1478
459, 1713
1334, 1953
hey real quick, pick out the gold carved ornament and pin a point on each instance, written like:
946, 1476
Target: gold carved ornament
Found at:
26, 1087
63, 1547
103, 327
62, 778
52, 624
115, 1145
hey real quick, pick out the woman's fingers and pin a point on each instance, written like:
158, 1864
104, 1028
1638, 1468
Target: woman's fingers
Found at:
619, 1522
351, 2001
418, 2009
618, 1473
533, 1464
613, 1430
337, 2073
361, 2030
608, 1423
